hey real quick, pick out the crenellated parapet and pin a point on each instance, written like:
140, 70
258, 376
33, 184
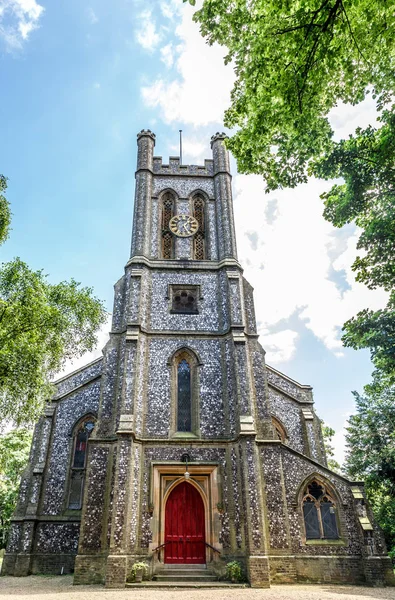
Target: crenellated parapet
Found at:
174, 167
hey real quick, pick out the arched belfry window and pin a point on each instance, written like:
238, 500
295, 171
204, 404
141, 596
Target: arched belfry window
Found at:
185, 388
319, 512
199, 252
78, 462
167, 236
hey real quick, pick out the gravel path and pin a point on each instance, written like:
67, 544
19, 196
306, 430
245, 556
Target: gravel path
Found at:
61, 588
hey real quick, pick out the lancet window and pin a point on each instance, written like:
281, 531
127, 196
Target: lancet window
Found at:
185, 388
199, 252
319, 512
167, 236
184, 396
78, 462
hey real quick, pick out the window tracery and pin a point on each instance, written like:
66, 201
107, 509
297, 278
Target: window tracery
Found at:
199, 239
319, 512
78, 462
167, 214
184, 299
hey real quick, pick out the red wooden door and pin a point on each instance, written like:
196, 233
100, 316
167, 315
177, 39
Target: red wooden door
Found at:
184, 526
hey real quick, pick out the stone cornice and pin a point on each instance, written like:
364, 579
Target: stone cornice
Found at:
183, 265
134, 328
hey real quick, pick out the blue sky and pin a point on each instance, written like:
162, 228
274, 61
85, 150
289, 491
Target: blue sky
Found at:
79, 80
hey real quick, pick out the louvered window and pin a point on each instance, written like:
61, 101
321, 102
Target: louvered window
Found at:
199, 238
167, 236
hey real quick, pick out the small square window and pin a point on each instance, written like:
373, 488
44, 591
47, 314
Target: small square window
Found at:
184, 299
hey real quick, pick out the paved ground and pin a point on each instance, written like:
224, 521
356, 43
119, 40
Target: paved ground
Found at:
61, 588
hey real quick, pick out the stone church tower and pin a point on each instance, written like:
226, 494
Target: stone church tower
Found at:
180, 446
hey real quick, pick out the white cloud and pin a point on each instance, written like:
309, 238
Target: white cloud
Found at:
146, 33
167, 55
193, 151
92, 17
290, 254
171, 8
18, 18
345, 118
280, 346
200, 92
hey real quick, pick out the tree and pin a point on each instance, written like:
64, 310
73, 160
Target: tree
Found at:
367, 197
327, 434
371, 453
5, 212
14, 455
41, 325
294, 61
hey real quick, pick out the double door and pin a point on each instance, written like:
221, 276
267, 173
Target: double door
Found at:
185, 526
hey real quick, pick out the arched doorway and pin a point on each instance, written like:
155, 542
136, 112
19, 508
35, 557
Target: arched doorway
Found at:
185, 526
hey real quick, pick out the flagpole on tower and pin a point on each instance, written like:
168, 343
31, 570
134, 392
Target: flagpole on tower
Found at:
180, 130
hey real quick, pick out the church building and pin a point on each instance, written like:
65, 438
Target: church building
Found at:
180, 446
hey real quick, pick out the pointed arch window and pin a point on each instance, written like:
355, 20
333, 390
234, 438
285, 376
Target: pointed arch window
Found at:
185, 388
184, 397
78, 462
319, 512
167, 237
199, 251
279, 430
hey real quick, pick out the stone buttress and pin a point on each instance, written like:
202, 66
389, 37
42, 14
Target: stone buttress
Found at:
251, 441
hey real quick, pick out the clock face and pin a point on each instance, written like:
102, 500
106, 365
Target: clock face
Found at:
183, 225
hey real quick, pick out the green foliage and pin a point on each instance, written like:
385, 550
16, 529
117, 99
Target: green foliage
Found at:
5, 212
294, 61
327, 434
41, 325
233, 571
139, 566
371, 452
14, 455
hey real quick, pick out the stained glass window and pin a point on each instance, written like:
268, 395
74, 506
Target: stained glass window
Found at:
78, 464
184, 409
319, 512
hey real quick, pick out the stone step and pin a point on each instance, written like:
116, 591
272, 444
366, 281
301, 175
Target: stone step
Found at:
187, 584
185, 577
171, 572
184, 567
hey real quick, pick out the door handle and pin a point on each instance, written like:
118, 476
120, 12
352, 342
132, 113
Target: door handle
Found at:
181, 539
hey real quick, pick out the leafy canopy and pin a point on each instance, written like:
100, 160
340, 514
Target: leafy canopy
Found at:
327, 434
294, 61
41, 325
371, 452
14, 455
5, 212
